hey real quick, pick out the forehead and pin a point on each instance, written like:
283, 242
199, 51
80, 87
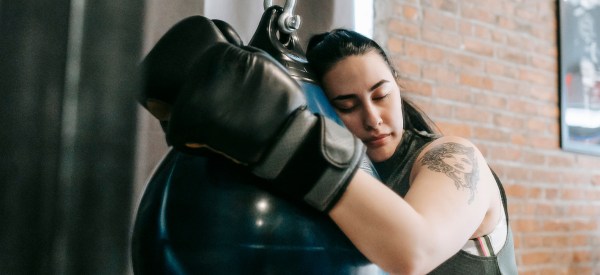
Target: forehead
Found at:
356, 74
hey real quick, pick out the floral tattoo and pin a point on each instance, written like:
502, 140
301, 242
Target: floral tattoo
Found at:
457, 161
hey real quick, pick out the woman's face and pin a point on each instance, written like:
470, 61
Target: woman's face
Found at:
460, 162
366, 97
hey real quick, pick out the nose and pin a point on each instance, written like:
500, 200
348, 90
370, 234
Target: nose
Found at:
371, 117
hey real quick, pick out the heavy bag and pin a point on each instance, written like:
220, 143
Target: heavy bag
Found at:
206, 215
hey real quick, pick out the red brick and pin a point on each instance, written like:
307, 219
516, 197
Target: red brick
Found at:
472, 114
395, 45
554, 128
536, 258
478, 14
504, 153
455, 94
576, 210
544, 209
557, 226
575, 178
498, 36
506, 87
518, 139
478, 47
544, 34
465, 28
445, 5
417, 87
407, 67
545, 176
404, 28
439, 73
536, 125
431, 17
582, 256
490, 100
550, 95
592, 195
525, 14
476, 81
441, 109
543, 142
551, 193
535, 192
448, 23
490, 134
440, 37
512, 56
572, 194
579, 240
424, 52
514, 208
546, 49
523, 107
532, 242
535, 158
537, 78
496, 68
549, 111
508, 121
596, 179
544, 64
524, 225
584, 226
517, 173
452, 129
520, 42
482, 32
465, 62
410, 12
588, 162
529, 209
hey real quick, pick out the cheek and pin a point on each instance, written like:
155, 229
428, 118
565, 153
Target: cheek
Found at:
352, 123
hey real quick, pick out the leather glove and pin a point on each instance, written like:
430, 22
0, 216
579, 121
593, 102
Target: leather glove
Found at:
240, 103
166, 66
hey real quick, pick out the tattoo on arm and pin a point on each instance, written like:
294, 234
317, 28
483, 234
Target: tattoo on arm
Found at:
457, 161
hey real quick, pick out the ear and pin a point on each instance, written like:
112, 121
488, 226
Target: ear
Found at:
159, 109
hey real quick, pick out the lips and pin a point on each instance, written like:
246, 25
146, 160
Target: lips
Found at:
377, 140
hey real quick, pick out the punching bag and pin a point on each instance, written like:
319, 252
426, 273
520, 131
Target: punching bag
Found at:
207, 215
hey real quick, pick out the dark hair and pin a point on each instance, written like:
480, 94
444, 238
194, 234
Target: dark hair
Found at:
327, 49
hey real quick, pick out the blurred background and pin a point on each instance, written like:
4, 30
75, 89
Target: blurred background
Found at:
76, 148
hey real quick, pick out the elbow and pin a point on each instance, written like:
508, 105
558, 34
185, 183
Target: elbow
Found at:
415, 264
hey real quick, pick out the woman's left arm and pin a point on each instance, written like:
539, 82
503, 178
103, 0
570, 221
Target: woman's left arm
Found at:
442, 210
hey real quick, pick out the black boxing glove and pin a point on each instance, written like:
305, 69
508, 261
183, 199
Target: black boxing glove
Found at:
166, 66
240, 103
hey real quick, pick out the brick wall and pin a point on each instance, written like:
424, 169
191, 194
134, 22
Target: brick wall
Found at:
487, 71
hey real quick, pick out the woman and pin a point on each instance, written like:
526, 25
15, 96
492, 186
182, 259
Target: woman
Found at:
440, 196
451, 200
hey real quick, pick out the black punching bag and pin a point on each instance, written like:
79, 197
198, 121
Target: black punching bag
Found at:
207, 215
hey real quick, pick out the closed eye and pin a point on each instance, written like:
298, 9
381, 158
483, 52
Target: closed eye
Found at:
380, 98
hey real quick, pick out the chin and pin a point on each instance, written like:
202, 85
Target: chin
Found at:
379, 154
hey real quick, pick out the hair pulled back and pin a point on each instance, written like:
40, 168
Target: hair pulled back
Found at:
327, 49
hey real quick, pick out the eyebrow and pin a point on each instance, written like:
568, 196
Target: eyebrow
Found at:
342, 97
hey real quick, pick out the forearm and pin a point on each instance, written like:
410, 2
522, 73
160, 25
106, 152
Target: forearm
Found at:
384, 227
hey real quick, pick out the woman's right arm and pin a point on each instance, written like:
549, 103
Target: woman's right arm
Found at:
415, 234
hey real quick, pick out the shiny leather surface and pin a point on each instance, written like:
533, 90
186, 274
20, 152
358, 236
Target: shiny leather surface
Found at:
208, 216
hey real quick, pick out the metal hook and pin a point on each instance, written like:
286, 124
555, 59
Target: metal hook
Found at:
288, 22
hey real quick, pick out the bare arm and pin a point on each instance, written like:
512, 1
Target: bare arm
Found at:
435, 219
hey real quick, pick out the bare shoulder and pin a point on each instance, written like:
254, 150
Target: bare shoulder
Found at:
459, 160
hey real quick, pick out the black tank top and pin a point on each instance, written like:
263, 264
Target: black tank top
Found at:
395, 173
